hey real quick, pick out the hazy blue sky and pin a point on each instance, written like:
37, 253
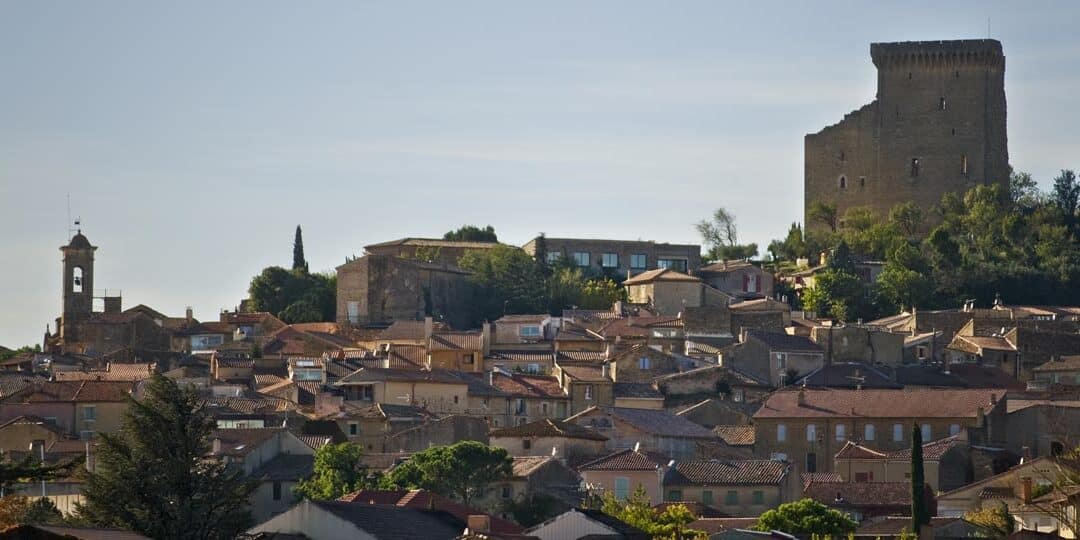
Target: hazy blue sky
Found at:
194, 136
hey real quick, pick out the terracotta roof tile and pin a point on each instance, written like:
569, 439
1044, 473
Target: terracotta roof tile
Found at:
455, 341
736, 435
879, 403
660, 274
714, 472
636, 390
584, 373
549, 427
780, 341
405, 329
626, 460
660, 423
861, 494
524, 385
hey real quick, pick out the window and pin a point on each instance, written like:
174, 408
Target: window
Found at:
76, 280
914, 167
609, 260
954, 429
588, 392
507, 491
758, 497
737, 395
674, 495
751, 283
781, 432
643, 362
89, 413
365, 393
841, 432
678, 265
529, 331
581, 258
277, 491
455, 400
706, 497
963, 164
638, 261
811, 433
622, 487
941, 103
732, 498
898, 432
544, 409
926, 432
354, 428
519, 406
920, 352
862, 181
553, 257
781, 361
526, 444
868, 432
353, 308
811, 462
843, 182
533, 368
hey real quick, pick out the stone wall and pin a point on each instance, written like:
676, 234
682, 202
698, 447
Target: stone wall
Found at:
386, 288
941, 103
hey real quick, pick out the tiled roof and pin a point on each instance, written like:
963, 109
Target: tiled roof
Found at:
931, 450
536, 356
455, 341
875, 403
549, 427
405, 329
524, 385
893, 526
734, 376
570, 331
736, 435
82, 533
115, 372
394, 523
977, 344
759, 304
660, 423
714, 472
33, 420
80, 391
517, 319
779, 341
266, 380
1065, 363
726, 266
848, 375
242, 441
286, 467
638, 326
406, 356
315, 441
584, 373
381, 374
581, 356
636, 390
526, 465
420, 499
820, 477
860, 494
13, 384
660, 274
626, 460
997, 492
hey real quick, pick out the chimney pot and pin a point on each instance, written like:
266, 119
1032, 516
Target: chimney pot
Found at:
1025, 486
479, 523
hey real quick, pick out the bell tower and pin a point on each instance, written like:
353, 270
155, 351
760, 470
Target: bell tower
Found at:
78, 287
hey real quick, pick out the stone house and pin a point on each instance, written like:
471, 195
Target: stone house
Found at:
573, 336
867, 501
526, 398
642, 364
444, 431
740, 279
808, 426
623, 472
369, 426
297, 341
859, 343
428, 249
638, 395
549, 437
664, 333
461, 351
723, 381
533, 475
383, 288
668, 292
78, 408
587, 385
946, 464
1043, 428
714, 412
760, 314
538, 359
618, 257
19, 433
1013, 487
1062, 370
774, 357
519, 329
654, 430
439, 391
738, 488
274, 457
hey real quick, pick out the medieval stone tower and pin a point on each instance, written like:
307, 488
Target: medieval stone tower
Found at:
78, 286
937, 126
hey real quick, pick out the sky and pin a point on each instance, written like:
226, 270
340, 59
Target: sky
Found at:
192, 137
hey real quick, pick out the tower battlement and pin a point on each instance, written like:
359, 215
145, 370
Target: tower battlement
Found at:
950, 52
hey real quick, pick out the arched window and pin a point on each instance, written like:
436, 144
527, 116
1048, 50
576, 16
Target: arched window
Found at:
77, 280
843, 182
914, 167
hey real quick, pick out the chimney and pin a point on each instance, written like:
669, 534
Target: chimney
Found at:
491, 377
802, 396
1025, 489
479, 523
189, 315
485, 338
604, 369
429, 328
1025, 453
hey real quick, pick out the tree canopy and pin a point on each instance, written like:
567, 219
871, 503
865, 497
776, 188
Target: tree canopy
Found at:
472, 233
806, 517
459, 470
153, 476
720, 235
299, 264
338, 471
506, 280
637, 510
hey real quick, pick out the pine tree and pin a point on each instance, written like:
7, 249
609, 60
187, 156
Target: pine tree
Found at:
154, 477
919, 515
298, 262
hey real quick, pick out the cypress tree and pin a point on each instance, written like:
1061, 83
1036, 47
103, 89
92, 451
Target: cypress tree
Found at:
918, 482
298, 262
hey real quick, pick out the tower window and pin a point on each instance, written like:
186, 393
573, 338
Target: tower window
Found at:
957, 74
963, 164
954, 132
897, 112
842, 156
941, 103
909, 75
77, 280
843, 182
914, 167
862, 181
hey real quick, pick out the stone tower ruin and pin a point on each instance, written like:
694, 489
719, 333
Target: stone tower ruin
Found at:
936, 126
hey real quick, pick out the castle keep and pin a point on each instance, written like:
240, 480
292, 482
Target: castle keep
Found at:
936, 126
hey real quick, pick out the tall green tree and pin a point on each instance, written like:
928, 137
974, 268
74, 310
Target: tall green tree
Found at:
920, 515
154, 475
472, 233
337, 472
1067, 196
506, 280
459, 470
294, 296
823, 213
299, 264
721, 237
805, 518
28, 470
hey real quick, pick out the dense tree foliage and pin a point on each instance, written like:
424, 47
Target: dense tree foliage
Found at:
459, 470
721, 238
338, 471
153, 476
533, 509
638, 511
805, 518
27, 470
995, 239
294, 296
472, 233
4, 355
507, 280
997, 519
